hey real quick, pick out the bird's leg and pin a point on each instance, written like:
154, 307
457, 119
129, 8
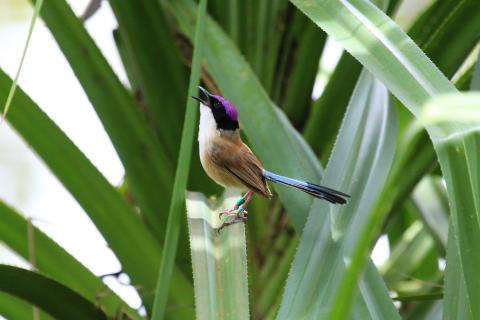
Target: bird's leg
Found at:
242, 208
238, 213
239, 207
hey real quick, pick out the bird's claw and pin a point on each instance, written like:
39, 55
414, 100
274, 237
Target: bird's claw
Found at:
227, 212
234, 212
237, 214
237, 209
236, 219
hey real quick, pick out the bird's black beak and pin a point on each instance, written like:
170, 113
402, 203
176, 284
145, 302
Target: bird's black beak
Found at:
204, 96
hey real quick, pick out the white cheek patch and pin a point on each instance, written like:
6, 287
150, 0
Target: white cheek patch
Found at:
207, 126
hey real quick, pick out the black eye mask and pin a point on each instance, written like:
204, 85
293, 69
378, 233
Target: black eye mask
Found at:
222, 119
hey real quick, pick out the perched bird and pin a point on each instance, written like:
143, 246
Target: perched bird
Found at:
231, 163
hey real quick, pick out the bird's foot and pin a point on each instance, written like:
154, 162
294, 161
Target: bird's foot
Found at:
242, 217
238, 208
229, 213
235, 212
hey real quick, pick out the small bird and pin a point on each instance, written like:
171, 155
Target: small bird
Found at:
230, 162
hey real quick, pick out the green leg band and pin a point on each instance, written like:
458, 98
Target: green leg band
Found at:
240, 202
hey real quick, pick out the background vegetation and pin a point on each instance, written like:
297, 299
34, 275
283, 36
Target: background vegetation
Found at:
393, 127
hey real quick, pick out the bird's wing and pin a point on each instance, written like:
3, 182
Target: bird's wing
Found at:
240, 161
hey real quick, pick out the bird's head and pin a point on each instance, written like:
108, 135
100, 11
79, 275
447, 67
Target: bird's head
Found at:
223, 111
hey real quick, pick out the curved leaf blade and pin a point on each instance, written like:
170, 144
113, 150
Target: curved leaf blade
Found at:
14, 308
148, 170
298, 66
359, 165
454, 22
384, 49
381, 46
157, 67
177, 203
435, 211
457, 144
54, 261
157, 73
475, 82
418, 155
131, 241
11, 93
328, 111
219, 260
456, 300
408, 254
53, 297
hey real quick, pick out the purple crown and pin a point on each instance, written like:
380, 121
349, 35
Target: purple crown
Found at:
229, 108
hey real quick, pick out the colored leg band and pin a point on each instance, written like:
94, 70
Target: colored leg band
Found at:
240, 202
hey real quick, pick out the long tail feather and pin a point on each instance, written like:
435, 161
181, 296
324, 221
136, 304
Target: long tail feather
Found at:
315, 190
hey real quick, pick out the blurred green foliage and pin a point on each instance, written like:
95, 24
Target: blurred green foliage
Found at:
305, 259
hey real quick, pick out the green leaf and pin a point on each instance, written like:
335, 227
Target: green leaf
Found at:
177, 203
464, 80
381, 46
458, 145
430, 198
227, 14
157, 66
198, 179
219, 260
15, 308
53, 297
475, 84
408, 254
456, 302
359, 166
269, 19
299, 58
272, 279
450, 21
258, 29
327, 113
54, 261
430, 32
250, 27
456, 141
392, 7
38, 6
157, 73
417, 155
391, 56
148, 170
133, 244
428, 310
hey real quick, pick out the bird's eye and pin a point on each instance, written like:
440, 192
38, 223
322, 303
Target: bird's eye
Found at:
217, 104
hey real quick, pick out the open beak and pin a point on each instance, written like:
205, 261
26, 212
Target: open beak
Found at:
204, 96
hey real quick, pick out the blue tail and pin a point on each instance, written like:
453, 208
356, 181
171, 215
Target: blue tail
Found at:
315, 190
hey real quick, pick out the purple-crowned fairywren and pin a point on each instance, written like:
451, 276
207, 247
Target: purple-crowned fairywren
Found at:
230, 162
